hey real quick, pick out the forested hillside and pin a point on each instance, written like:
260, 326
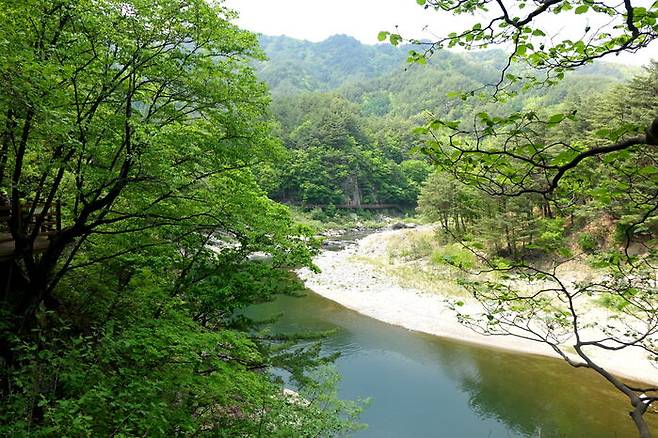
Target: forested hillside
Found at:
297, 66
347, 111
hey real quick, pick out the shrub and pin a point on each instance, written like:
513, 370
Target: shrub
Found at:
552, 234
587, 242
412, 246
455, 255
318, 215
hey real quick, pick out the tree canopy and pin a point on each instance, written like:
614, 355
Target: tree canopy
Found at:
348, 126
137, 125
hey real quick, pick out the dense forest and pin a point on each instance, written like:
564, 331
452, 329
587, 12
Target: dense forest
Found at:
130, 210
538, 172
595, 214
346, 114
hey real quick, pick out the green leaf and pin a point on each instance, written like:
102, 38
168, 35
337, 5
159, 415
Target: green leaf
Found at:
647, 170
556, 118
582, 9
521, 50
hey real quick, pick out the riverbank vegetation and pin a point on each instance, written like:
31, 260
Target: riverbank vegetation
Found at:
534, 181
130, 131
539, 164
595, 219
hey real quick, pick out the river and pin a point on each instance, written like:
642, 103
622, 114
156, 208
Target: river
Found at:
425, 386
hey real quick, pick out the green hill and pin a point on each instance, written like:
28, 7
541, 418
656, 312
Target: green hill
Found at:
346, 111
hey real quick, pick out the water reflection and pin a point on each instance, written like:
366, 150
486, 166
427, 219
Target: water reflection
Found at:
423, 386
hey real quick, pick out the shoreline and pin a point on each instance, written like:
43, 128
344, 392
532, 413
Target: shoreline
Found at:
361, 287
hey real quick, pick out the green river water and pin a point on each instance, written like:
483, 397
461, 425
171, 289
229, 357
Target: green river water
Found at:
425, 386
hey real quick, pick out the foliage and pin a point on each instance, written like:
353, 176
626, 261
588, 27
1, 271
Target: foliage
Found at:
455, 255
333, 158
555, 166
587, 242
348, 126
411, 246
302, 66
144, 121
444, 199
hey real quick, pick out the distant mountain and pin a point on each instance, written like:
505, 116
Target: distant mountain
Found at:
296, 65
346, 112
300, 66
379, 79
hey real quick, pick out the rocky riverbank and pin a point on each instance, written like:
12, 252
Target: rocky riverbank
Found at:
348, 278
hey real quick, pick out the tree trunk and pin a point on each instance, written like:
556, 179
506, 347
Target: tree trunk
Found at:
638, 419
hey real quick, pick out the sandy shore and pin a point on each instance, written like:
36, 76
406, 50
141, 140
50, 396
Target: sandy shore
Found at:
361, 287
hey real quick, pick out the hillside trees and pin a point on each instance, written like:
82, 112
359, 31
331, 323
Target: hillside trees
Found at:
365, 120
445, 200
536, 154
302, 66
334, 157
143, 120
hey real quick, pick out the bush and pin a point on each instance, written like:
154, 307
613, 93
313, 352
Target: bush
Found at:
587, 242
318, 215
455, 255
552, 235
330, 210
613, 302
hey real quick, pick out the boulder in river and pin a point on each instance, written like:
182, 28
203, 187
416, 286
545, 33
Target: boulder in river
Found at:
402, 225
333, 245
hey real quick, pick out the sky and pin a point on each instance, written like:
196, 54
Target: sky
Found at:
316, 20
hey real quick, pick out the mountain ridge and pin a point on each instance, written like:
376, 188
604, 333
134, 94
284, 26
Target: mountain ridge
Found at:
296, 66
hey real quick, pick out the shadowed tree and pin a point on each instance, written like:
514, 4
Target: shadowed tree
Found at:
142, 120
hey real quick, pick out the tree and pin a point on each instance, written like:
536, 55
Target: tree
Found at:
334, 159
117, 114
446, 200
524, 154
143, 119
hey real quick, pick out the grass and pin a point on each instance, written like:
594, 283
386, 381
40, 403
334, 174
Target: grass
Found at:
420, 259
416, 276
454, 255
427, 246
416, 259
411, 245
612, 302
